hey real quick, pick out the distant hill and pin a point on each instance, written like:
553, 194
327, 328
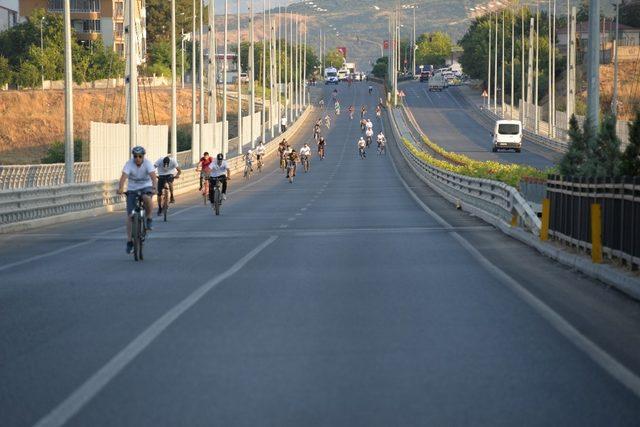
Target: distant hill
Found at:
362, 27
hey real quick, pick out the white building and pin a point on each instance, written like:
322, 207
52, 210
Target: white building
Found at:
8, 13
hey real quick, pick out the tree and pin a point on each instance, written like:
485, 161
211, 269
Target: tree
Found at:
334, 58
381, 67
433, 48
5, 71
27, 75
575, 157
630, 162
630, 13
607, 149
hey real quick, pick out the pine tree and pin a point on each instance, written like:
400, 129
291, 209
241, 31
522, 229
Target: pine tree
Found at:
590, 167
630, 164
607, 149
572, 162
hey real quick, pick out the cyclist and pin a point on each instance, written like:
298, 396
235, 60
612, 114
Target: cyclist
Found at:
219, 171
369, 135
363, 124
316, 131
369, 125
363, 112
167, 170
305, 153
292, 159
321, 147
248, 159
327, 121
203, 167
260, 151
378, 111
370, 89
283, 124
281, 147
350, 109
321, 103
141, 176
381, 142
337, 108
361, 147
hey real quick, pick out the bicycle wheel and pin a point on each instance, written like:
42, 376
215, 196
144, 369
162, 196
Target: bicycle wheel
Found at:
135, 235
142, 233
216, 200
165, 203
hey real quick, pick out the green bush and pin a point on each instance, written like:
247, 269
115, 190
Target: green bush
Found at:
55, 153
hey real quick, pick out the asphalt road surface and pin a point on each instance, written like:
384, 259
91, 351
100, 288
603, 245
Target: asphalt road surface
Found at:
448, 119
353, 297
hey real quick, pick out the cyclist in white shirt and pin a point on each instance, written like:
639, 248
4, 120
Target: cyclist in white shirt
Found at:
219, 171
369, 125
361, 147
305, 151
369, 135
140, 176
260, 151
167, 170
381, 142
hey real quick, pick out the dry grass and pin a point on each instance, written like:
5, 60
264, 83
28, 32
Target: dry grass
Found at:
31, 120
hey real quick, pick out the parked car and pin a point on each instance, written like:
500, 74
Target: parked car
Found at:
244, 78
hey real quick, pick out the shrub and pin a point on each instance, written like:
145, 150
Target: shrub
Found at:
630, 164
55, 153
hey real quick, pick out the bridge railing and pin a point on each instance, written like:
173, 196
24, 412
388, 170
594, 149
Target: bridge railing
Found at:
43, 175
495, 202
24, 208
570, 220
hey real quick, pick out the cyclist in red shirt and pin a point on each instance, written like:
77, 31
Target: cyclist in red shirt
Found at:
204, 167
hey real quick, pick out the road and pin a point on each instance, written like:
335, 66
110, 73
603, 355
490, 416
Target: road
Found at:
353, 297
447, 119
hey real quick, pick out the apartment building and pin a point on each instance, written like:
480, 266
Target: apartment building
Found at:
8, 14
93, 19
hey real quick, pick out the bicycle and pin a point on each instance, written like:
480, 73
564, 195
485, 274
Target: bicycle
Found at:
138, 226
362, 153
381, 149
283, 162
321, 153
205, 190
217, 194
259, 165
165, 200
368, 140
305, 163
290, 170
248, 169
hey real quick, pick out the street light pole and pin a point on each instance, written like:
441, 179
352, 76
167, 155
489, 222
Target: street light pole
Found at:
42, 52
489, 60
68, 96
182, 58
614, 99
174, 121
201, 77
225, 128
251, 73
193, 75
239, 80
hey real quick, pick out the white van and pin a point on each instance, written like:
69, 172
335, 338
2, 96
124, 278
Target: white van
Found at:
507, 134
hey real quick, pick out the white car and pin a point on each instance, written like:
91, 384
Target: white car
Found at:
507, 134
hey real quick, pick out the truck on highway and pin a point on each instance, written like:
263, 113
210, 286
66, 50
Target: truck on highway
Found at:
437, 82
330, 76
507, 134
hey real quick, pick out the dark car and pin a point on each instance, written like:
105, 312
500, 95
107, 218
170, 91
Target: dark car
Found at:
424, 76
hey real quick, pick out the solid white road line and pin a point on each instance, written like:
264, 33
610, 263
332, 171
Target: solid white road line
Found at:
603, 359
45, 255
87, 391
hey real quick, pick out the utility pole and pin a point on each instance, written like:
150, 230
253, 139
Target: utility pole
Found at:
550, 69
502, 68
513, 38
593, 69
251, 73
495, 70
201, 76
68, 95
304, 66
614, 99
239, 80
553, 71
523, 112
291, 64
286, 67
530, 72
174, 120
536, 94
212, 78
489, 60
571, 94
415, 47
42, 51
132, 71
182, 58
264, 71
193, 76
225, 126
279, 69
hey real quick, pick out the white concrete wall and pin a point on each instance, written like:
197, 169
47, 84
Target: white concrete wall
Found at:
109, 147
209, 145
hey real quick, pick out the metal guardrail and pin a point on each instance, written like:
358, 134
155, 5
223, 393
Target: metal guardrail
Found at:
570, 214
43, 175
496, 200
25, 204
